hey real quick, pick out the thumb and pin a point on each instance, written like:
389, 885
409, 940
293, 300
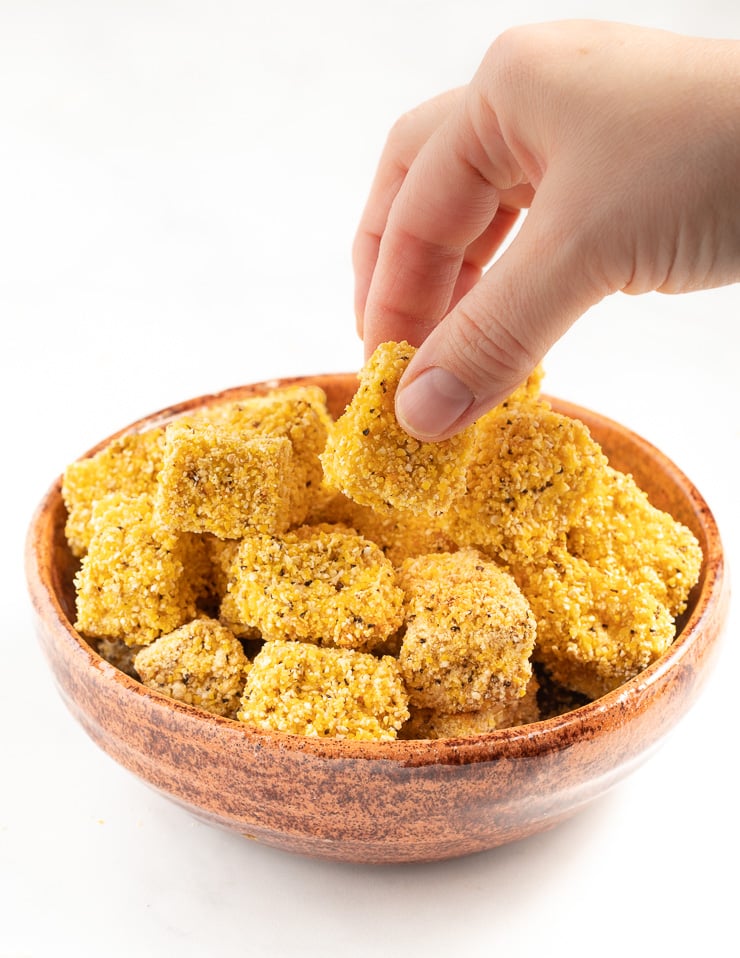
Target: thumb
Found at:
495, 336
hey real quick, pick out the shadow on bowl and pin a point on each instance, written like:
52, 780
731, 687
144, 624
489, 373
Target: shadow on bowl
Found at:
378, 802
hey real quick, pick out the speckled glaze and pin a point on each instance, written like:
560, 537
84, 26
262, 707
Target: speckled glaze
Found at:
384, 801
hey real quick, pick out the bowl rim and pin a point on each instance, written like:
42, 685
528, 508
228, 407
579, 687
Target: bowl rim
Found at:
550, 734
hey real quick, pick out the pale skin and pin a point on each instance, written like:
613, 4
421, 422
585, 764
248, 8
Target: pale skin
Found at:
623, 145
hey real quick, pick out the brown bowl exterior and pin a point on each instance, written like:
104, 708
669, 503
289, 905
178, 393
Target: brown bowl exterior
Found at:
383, 801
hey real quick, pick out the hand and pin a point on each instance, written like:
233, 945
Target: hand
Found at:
623, 142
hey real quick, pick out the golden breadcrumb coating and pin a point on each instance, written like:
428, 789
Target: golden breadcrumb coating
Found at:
428, 723
623, 531
317, 583
373, 461
469, 633
532, 476
529, 390
398, 550
201, 663
129, 465
221, 553
309, 393
292, 413
596, 629
132, 583
300, 688
399, 533
215, 480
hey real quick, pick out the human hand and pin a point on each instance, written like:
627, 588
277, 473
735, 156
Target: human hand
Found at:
623, 142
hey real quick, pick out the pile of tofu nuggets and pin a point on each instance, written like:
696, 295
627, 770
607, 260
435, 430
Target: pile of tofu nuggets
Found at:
337, 578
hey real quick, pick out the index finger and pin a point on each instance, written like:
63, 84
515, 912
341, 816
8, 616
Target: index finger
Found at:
447, 201
406, 138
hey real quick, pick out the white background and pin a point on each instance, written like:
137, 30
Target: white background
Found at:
179, 187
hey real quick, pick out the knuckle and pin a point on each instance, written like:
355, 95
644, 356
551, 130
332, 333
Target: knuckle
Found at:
408, 133
512, 55
488, 350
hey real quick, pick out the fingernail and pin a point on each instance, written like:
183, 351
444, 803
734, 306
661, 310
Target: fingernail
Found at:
432, 402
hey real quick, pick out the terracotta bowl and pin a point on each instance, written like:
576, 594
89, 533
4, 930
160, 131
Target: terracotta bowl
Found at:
384, 801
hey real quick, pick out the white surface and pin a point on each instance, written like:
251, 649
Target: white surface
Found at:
179, 186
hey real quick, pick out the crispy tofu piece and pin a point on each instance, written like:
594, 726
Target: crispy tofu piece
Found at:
399, 533
373, 461
302, 689
215, 480
529, 390
533, 474
222, 553
319, 584
132, 583
623, 533
129, 465
308, 393
596, 629
428, 723
469, 633
293, 413
201, 663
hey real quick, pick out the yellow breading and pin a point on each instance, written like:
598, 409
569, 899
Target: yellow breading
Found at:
399, 533
623, 532
319, 584
595, 629
373, 461
459, 565
201, 663
293, 413
469, 633
129, 465
306, 392
533, 475
132, 583
214, 480
222, 553
427, 723
529, 389
300, 688
200, 569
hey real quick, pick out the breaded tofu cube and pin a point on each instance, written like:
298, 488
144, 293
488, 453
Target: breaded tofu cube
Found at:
595, 629
469, 633
533, 474
217, 481
308, 393
370, 458
428, 723
293, 413
323, 585
300, 688
529, 390
128, 465
622, 532
201, 663
132, 584
399, 533
222, 553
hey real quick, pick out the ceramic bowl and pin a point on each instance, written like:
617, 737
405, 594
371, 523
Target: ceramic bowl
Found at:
384, 801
